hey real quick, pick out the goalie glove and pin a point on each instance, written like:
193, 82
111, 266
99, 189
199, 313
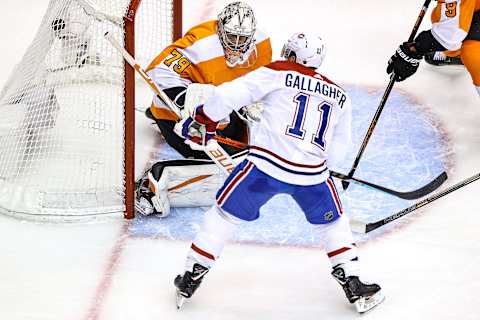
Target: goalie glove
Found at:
197, 129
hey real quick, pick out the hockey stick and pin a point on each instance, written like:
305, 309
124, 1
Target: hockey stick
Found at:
218, 155
345, 183
131, 61
362, 227
93, 10
408, 195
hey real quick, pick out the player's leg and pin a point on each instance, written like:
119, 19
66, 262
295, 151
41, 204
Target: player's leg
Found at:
322, 207
471, 60
240, 199
217, 228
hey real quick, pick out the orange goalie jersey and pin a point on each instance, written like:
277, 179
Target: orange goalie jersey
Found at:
456, 25
199, 57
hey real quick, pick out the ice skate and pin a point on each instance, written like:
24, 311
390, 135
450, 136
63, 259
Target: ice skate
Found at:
363, 296
188, 283
440, 59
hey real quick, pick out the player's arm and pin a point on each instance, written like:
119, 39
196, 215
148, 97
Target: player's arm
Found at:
226, 98
451, 22
244, 91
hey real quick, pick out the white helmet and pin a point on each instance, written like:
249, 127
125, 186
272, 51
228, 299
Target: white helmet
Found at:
236, 29
307, 49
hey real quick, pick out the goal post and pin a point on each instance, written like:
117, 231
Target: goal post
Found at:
67, 112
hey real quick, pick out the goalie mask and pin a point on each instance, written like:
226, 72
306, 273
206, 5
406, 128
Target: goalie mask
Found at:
236, 29
307, 49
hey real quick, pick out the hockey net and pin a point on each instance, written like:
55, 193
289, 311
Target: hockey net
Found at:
67, 111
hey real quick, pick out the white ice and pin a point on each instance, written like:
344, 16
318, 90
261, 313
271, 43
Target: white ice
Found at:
429, 269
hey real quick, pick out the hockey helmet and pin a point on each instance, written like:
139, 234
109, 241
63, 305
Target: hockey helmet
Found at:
307, 49
236, 29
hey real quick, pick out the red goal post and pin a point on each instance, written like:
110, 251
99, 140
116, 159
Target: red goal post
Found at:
67, 112
129, 21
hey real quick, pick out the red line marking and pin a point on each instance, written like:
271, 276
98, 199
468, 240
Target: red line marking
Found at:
105, 284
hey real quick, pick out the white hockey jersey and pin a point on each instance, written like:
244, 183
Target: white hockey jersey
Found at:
306, 116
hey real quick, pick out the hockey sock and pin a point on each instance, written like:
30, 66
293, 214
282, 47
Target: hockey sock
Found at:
218, 226
337, 240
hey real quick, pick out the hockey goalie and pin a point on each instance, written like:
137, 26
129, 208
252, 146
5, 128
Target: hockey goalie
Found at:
187, 71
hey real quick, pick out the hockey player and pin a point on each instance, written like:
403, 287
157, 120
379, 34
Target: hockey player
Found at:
305, 120
456, 26
210, 53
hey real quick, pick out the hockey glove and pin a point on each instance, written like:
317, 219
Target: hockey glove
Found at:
404, 63
251, 113
198, 128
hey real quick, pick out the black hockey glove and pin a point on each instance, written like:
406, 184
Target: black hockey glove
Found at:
404, 62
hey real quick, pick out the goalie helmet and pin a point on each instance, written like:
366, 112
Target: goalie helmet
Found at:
307, 49
236, 29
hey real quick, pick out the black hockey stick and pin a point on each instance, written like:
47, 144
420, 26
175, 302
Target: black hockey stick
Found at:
345, 183
367, 227
408, 195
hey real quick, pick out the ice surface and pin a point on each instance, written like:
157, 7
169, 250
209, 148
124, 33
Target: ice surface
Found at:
427, 265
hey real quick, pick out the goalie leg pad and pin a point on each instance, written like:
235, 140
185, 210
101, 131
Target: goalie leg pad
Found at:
187, 183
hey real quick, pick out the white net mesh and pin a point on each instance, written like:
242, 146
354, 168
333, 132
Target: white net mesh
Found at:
62, 111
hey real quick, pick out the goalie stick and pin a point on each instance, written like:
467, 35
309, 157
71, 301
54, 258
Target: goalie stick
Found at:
373, 124
408, 195
218, 155
362, 227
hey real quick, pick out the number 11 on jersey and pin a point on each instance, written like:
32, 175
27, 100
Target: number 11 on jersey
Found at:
297, 130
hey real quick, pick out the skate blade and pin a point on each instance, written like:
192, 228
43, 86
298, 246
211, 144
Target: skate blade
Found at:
366, 304
180, 300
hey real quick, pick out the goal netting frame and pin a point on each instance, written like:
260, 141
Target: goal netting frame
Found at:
67, 112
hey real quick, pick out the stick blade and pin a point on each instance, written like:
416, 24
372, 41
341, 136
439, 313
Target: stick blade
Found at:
358, 226
425, 190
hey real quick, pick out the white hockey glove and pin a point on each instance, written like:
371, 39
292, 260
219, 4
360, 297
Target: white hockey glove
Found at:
155, 201
251, 113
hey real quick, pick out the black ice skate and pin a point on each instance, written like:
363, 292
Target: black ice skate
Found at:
440, 59
363, 296
189, 283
